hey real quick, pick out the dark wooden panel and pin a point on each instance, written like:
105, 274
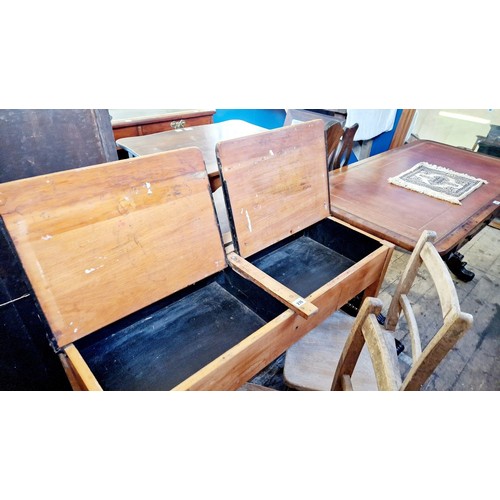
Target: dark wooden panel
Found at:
35, 142
27, 362
40, 141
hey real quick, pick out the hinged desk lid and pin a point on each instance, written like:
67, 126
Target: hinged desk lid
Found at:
101, 242
275, 183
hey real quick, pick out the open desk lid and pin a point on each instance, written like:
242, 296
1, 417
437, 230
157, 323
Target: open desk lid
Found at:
101, 242
275, 184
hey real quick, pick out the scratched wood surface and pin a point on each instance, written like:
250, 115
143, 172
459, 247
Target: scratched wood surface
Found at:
101, 242
362, 196
276, 183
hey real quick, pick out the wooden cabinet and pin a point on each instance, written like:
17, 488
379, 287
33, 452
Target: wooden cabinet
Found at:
134, 122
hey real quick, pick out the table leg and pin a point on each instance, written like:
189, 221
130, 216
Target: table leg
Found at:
455, 263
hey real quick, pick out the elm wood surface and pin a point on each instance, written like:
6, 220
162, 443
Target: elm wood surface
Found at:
272, 286
135, 221
136, 122
275, 184
204, 137
361, 196
100, 242
218, 333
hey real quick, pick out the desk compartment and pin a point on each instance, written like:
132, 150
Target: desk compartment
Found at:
188, 337
316, 255
164, 344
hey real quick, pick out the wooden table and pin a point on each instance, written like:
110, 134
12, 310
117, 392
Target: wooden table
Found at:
135, 122
204, 137
362, 196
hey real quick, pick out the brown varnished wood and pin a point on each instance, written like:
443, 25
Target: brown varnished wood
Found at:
276, 183
402, 128
101, 242
77, 370
136, 122
333, 136
204, 137
361, 196
271, 286
341, 158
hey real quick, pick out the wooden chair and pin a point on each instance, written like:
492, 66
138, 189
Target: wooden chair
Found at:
333, 137
343, 153
338, 358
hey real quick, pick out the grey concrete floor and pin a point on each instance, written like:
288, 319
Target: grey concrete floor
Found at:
473, 364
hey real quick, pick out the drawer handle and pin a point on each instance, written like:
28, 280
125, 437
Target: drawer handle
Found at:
178, 124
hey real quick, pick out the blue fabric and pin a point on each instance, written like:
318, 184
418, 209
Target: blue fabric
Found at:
267, 118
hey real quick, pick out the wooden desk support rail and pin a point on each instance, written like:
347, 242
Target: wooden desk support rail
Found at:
80, 370
288, 297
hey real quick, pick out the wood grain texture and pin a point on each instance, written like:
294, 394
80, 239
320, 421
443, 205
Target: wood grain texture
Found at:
78, 371
310, 362
40, 141
362, 196
288, 297
240, 363
134, 122
100, 242
275, 183
204, 137
402, 128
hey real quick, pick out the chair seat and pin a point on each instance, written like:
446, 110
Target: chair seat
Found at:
310, 363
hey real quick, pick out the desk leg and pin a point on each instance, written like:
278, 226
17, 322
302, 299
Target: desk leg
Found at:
455, 263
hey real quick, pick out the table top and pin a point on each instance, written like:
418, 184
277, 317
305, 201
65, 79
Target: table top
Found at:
204, 137
362, 196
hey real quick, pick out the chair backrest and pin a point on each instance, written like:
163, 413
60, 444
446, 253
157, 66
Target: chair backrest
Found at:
341, 158
333, 137
380, 341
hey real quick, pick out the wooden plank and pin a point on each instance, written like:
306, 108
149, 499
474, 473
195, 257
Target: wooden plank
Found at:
80, 370
286, 296
276, 183
101, 242
454, 327
310, 363
416, 343
39, 141
407, 279
382, 350
442, 280
73, 378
